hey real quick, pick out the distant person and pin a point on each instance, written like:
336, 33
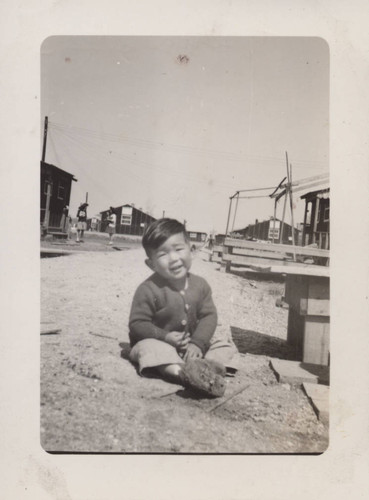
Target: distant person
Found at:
68, 227
112, 222
81, 221
173, 317
211, 241
64, 219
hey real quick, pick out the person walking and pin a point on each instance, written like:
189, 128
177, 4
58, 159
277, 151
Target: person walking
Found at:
81, 221
112, 222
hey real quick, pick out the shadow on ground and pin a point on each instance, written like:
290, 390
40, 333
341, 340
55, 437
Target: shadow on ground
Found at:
251, 342
258, 276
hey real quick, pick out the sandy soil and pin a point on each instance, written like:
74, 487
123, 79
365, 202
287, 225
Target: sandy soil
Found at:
92, 399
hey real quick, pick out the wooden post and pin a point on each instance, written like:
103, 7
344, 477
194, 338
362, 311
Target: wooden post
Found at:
275, 213
235, 210
304, 227
229, 214
225, 265
315, 224
47, 209
283, 216
292, 220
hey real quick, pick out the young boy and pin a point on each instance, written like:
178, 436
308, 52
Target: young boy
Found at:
81, 221
112, 222
173, 317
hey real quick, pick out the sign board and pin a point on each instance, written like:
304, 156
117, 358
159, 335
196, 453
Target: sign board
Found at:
274, 230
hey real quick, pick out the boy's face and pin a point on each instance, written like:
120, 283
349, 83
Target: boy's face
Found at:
172, 259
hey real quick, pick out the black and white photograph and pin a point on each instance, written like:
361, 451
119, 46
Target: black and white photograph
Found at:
185, 245
184, 271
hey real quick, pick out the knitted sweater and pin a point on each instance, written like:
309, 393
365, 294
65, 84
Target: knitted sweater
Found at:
158, 308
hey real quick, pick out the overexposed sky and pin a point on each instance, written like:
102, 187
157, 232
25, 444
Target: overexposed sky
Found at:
179, 124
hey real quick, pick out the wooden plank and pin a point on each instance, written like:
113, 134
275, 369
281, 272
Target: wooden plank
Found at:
316, 340
48, 328
292, 372
306, 299
277, 247
270, 264
45, 251
319, 397
50, 331
261, 253
316, 301
225, 263
319, 288
317, 307
218, 248
298, 269
244, 260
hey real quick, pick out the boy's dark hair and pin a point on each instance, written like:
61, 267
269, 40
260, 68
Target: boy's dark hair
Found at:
159, 231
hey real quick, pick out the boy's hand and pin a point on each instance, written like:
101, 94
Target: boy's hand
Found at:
192, 352
176, 340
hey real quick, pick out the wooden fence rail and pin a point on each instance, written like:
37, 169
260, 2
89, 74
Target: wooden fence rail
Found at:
251, 253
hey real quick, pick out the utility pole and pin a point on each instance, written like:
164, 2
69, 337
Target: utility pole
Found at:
235, 210
48, 193
46, 124
229, 213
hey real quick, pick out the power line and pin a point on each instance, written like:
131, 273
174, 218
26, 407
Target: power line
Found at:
167, 171
150, 144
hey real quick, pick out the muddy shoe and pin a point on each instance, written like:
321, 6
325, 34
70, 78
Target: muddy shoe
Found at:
217, 367
199, 376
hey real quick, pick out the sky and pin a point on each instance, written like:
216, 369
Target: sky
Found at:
177, 125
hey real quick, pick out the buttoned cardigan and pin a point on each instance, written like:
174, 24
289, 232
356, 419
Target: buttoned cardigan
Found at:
157, 308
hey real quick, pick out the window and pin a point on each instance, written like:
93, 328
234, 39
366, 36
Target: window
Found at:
126, 219
61, 191
326, 214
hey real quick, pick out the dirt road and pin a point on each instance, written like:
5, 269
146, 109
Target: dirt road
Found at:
92, 399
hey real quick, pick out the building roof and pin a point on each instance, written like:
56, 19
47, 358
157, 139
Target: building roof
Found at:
128, 205
48, 165
321, 193
261, 222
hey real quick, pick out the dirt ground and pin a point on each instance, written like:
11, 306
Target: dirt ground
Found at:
92, 399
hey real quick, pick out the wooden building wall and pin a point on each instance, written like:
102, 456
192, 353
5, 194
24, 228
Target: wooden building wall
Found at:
317, 219
61, 186
260, 231
132, 223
